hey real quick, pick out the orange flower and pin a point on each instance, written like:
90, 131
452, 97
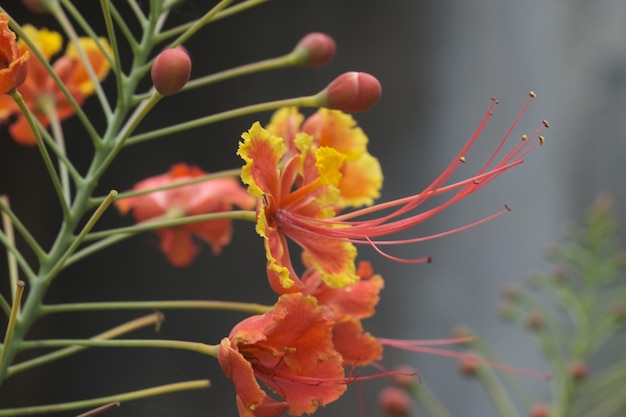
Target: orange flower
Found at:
299, 195
361, 175
202, 198
290, 350
349, 305
13, 62
41, 93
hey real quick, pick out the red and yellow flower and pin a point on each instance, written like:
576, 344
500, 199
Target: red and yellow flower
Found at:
212, 196
40, 91
290, 350
13, 62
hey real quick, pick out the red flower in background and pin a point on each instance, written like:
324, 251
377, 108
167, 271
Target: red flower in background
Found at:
13, 62
206, 197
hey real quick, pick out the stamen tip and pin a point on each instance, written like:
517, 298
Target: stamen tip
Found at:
532, 94
462, 158
546, 124
524, 138
541, 140
429, 259
506, 206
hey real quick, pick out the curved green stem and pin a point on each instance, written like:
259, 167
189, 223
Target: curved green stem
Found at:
307, 101
200, 23
15, 309
202, 348
154, 318
10, 220
159, 223
117, 64
94, 402
95, 247
57, 134
160, 305
81, 236
21, 261
429, 401
19, 100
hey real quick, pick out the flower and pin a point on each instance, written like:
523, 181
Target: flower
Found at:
315, 172
296, 202
349, 305
206, 197
13, 62
361, 174
290, 350
41, 93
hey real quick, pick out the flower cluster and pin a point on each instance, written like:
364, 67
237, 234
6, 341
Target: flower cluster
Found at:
47, 96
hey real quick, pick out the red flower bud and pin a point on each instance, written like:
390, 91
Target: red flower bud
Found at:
352, 92
539, 410
406, 376
578, 370
171, 70
395, 401
317, 49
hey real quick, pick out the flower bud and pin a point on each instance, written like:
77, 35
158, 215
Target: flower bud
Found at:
41, 6
406, 376
352, 92
578, 370
395, 401
534, 320
171, 70
539, 410
316, 49
13, 66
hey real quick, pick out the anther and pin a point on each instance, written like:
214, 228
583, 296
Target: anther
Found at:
546, 124
541, 140
506, 206
532, 94
462, 159
524, 137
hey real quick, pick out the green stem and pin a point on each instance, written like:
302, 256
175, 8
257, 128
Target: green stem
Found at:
69, 30
154, 318
94, 402
429, 401
19, 100
161, 223
95, 247
117, 64
496, 391
200, 23
202, 348
15, 308
100, 409
21, 261
7, 226
81, 236
10, 220
158, 305
308, 101
57, 133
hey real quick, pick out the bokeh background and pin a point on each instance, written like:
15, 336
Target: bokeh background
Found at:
440, 62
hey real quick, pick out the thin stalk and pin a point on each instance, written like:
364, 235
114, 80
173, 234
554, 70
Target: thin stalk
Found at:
100, 409
65, 23
139, 14
157, 305
57, 133
307, 101
161, 223
429, 401
117, 65
21, 261
81, 236
154, 318
121, 23
204, 349
19, 100
94, 402
496, 391
7, 226
95, 247
10, 220
15, 309
200, 23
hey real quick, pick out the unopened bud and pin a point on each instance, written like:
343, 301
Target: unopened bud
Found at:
468, 364
395, 401
41, 6
316, 49
352, 92
405, 377
539, 410
171, 70
534, 320
578, 370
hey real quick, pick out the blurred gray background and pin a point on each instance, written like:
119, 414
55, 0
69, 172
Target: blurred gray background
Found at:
439, 62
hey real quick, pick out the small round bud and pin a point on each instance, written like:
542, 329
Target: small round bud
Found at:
316, 49
534, 320
171, 70
406, 377
539, 410
578, 370
395, 402
352, 92
468, 364
41, 6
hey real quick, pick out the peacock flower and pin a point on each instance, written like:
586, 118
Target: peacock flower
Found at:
362, 176
41, 93
211, 196
349, 305
296, 203
13, 62
290, 350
